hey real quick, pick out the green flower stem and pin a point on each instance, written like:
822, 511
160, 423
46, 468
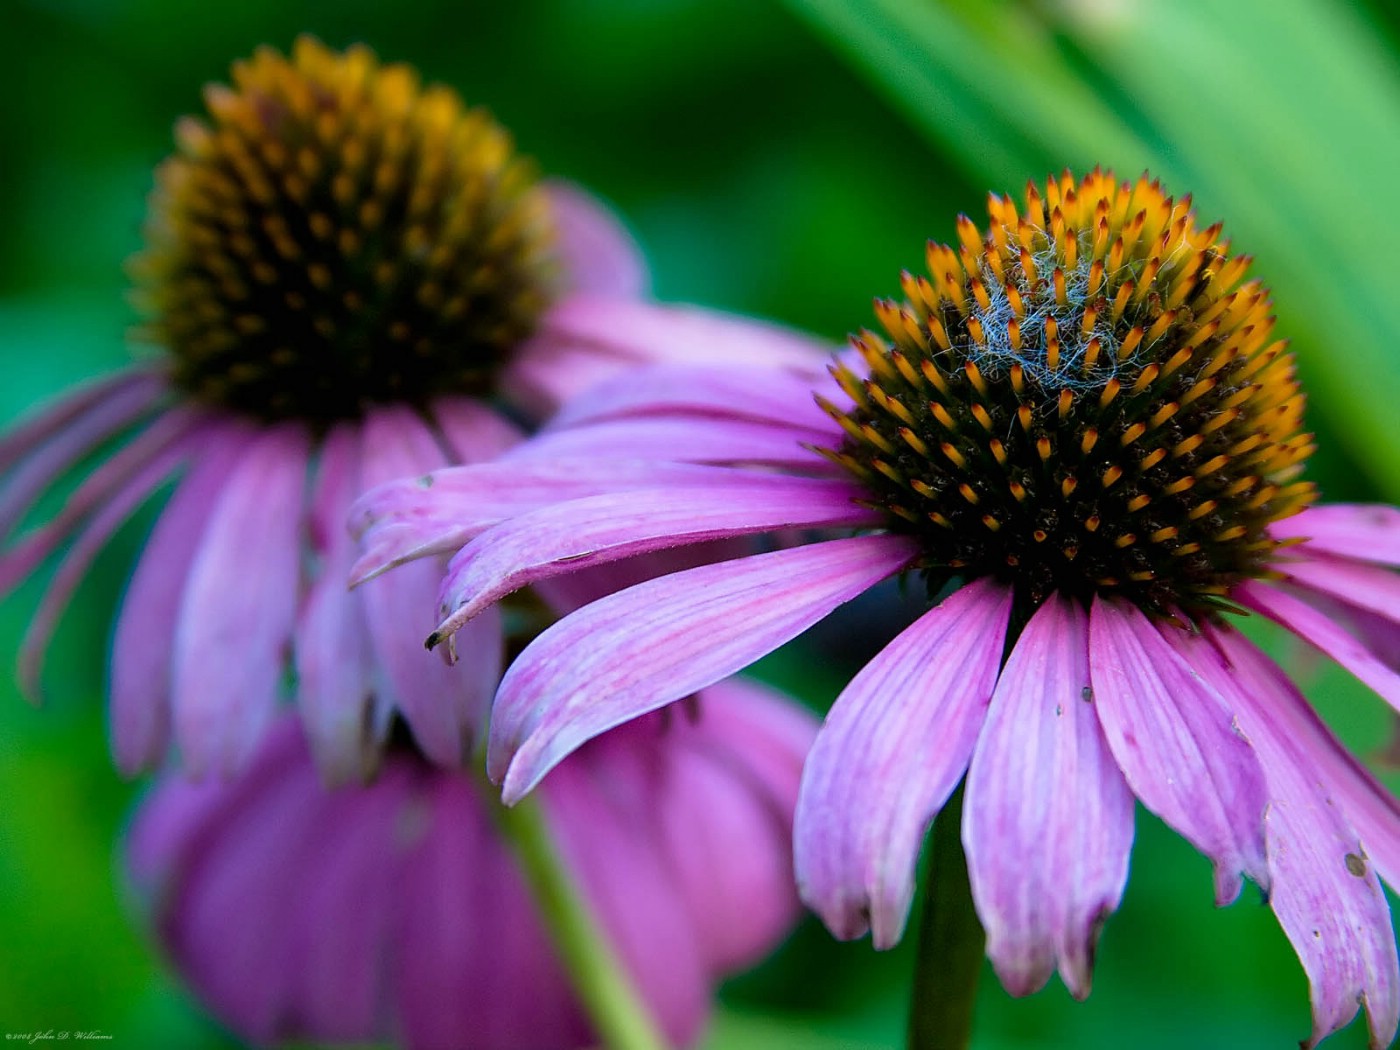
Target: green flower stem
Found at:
620, 1017
951, 943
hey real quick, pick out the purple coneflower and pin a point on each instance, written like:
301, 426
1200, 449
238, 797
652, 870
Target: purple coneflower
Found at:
1078, 431
395, 911
349, 278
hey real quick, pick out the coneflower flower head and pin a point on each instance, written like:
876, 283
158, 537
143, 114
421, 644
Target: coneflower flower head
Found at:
1078, 428
335, 235
1083, 400
349, 278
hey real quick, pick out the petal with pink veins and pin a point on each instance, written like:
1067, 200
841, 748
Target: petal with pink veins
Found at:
1178, 744
1367, 532
890, 753
642, 648
1048, 817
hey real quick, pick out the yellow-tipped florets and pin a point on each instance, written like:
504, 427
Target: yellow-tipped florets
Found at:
1083, 399
336, 235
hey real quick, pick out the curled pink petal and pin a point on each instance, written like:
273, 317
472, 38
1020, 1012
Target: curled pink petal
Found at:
599, 529
1044, 789
893, 748
642, 648
1178, 745
681, 440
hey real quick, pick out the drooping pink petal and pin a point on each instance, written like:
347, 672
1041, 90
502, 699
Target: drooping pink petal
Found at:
445, 707
1325, 894
473, 431
334, 656
608, 830
1178, 745
1370, 807
1048, 817
893, 748
600, 529
1367, 587
91, 538
43, 448
738, 760
680, 440
753, 393
96, 490
436, 513
141, 658
584, 339
1367, 532
596, 253
1317, 629
235, 623
642, 648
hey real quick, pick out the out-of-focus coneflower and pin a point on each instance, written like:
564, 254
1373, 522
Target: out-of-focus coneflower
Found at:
395, 911
1078, 430
349, 278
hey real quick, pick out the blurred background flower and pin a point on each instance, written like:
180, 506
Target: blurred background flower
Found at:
778, 160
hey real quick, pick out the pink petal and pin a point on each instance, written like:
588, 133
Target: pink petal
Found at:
1327, 898
680, 440
597, 253
585, 339
642, 648
473, 431
893, 748
1367, 532
600, 529
1317, 629
1369, 806
1364, 586
45, 447
445, 708
334, 658
737, 392
438, 512
141, 659
97, 489
230, 649
1178, 745
91, 538
1048, 817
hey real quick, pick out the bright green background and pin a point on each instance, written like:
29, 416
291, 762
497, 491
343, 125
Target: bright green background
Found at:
784, 160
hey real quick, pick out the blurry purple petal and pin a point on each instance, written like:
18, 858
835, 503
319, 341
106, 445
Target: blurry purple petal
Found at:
141, 657
230, 649
642, 648
1367, 532
445, 707
595, 251
1317, 629
91, 538
1048, 817
1325, 894
472, 430
752, 393
1178, 744
334, 658
893, 748
45, 447
601, 529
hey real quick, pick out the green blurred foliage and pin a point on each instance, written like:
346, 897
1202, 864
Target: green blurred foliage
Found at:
763, 172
